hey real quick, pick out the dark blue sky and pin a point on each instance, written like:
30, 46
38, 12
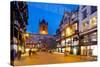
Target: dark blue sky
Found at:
52, 13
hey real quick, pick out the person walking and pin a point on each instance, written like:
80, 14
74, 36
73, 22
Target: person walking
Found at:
13, 52
13, 55
30, 52
19, 54
65, 53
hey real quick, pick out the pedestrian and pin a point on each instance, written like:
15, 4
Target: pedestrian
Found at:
13, 52
65, 53
19, 54
12, 56
30, 52
50, 51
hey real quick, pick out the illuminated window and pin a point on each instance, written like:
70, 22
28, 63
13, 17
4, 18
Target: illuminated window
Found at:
94, 50
94, 36
75, 26
85, 26
69, 31
63, 34
93, 22
68, 41
63, 43
43, 32
86, 39
68, 48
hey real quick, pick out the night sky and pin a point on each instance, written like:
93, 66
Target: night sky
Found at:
52, 13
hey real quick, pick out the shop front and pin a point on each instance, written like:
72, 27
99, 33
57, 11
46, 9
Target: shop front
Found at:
63, 45
75, 45
68, 44
93, 42
58, 47
86, 50
72, 45
75, 50
89, 47
89, 50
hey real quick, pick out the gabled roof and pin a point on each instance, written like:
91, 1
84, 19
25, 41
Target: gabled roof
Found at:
43, 22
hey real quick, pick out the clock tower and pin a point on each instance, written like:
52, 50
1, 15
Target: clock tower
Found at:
43, 26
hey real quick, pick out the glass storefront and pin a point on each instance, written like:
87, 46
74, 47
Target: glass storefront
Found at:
72, 45
68, 42
63, 43
58, 47
75, 50
93, 38
94, 43
84, 50
75, 45
89, 47
94, 50
63, 49
89, 50
68, 49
